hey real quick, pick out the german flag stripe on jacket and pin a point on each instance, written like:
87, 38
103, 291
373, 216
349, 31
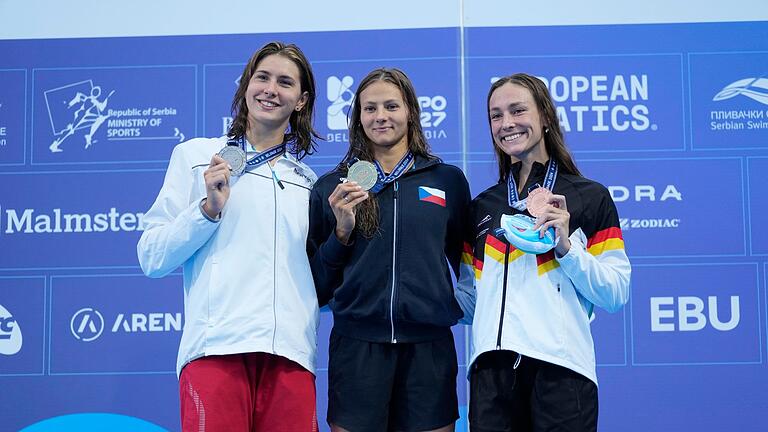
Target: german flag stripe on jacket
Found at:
541, 305
605, 240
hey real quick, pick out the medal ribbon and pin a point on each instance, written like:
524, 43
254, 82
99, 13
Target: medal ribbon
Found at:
261, 157
394, 175
549, 183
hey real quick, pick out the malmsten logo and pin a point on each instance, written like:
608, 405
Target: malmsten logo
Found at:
28, 221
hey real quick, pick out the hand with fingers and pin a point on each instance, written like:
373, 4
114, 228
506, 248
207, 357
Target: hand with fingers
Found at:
556, 215
344, 200
216, 186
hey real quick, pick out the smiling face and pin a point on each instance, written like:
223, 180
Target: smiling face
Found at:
384, 115
274, 93
516, 124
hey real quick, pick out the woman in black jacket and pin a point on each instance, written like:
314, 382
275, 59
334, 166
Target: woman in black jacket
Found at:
379, 260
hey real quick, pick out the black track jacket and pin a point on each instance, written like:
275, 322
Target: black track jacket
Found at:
395, 286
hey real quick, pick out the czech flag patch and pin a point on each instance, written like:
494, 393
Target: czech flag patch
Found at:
435, 196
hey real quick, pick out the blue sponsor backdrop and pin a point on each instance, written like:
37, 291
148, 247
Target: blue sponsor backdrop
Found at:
651, 111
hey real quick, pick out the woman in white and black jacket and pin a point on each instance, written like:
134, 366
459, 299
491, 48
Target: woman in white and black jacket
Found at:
533, 362
379, 261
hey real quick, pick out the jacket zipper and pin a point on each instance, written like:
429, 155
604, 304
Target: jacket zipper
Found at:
503, 294
274, 263
394, 255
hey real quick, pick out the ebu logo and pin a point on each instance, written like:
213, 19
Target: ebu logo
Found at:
689, 313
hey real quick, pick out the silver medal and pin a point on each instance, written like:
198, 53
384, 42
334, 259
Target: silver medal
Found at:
235, 157
363, 173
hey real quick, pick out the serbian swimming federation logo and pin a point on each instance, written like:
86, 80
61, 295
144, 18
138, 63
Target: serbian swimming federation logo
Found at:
435, 196
340, 95
753, 88
10, 333
76, 109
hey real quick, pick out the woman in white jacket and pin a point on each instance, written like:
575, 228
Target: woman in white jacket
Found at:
533, 360
238, 227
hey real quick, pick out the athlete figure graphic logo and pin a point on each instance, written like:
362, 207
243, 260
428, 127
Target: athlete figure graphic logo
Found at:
88, 115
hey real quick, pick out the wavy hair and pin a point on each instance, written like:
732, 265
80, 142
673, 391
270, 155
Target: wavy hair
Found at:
361, 147
300, 135
554, 142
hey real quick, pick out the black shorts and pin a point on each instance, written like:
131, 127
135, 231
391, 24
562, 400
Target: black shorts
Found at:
383, 386
535, 396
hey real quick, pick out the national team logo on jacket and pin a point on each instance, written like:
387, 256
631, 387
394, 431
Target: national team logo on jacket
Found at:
435, 196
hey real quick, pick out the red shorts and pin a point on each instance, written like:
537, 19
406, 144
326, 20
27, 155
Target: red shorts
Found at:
247, 392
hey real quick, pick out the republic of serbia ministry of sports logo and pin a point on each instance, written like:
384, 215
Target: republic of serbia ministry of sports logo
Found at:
76, 111
82, 112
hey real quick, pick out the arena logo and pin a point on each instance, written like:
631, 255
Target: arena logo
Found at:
82, 108
640, 193
600, 103
30, 221
11, 339
691, 313
87, 324
741, 118
341, 96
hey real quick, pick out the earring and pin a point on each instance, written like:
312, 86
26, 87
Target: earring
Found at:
546, 129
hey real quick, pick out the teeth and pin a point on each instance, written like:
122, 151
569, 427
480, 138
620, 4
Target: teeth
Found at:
269, 104
512, 137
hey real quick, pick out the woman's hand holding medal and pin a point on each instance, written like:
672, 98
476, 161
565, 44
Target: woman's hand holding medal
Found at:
343, 200
353, 190
550, 210
216, 186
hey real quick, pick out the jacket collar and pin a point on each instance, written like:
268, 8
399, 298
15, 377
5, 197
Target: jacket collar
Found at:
537, 171
421, 162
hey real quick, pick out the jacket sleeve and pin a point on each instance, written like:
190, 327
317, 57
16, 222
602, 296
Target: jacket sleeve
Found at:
327, 256
175, 228
597, 263
461, 257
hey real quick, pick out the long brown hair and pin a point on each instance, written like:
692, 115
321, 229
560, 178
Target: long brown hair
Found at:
554, 142
301, 135
361, 147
